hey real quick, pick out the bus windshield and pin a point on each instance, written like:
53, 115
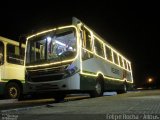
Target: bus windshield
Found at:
52, 46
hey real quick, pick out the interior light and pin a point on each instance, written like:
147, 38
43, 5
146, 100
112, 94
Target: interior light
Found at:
70, 48
60, 43
49, 39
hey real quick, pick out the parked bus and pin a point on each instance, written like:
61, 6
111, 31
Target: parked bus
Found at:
74, 58
12, 76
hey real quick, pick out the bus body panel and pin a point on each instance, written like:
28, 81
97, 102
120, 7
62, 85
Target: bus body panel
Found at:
1, 72
70, 83
2, 84
97, 65
14, 72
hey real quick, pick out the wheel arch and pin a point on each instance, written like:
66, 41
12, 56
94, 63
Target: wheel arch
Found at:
18, 82
100, 75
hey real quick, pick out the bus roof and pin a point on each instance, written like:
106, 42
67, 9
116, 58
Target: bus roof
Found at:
7, 40
76, 21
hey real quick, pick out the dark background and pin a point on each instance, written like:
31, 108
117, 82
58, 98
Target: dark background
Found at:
130, 26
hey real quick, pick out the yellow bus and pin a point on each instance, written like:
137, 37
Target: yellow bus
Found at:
12, 76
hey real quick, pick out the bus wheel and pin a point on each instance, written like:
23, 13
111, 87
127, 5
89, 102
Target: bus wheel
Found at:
12, 91
98, 91
59, 98
124, 89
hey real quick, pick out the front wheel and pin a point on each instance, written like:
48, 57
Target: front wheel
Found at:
59, 97
12, 91
98, 91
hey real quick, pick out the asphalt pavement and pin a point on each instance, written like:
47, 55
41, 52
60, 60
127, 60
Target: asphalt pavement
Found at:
144, 105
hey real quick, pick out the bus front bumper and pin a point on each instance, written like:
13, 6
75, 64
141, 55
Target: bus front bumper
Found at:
70, 83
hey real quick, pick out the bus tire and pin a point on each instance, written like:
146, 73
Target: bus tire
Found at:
99, 88
59, 98
13, 91
124, 89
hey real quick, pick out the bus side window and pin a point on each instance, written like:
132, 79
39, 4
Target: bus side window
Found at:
120, 60
86, 44
1, 53
115, 56
99, 47
129, 68
125, 64
13, 55
108, 53
87, 40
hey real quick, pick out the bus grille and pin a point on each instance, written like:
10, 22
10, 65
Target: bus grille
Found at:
47, 87
45, 78
45, 75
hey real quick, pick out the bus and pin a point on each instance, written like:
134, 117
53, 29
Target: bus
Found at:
74, 59
12, 76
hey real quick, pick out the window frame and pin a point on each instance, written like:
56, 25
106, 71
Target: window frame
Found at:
128, 66
121, 61
7, 51
115, 57
110, 53
47, 59
84, 39
101, 47
3, 53
125, 64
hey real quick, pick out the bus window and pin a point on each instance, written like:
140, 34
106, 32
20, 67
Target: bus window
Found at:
129, 68
13, 55
53, 46
99, 47
86, 44
115, 56
1, 53
87, 40
125, 64
120, 60
108, 53
63, 46
37, 50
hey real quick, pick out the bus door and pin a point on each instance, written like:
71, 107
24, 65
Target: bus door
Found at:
1, 58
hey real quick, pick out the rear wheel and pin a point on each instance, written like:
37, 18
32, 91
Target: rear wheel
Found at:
99, 88
13, 91
124, 89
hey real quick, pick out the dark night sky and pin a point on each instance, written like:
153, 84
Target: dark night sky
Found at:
131, 27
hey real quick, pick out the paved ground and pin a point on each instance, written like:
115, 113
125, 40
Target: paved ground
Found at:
132, 105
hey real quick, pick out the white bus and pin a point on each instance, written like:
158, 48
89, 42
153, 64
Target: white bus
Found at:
74, 58
11, 68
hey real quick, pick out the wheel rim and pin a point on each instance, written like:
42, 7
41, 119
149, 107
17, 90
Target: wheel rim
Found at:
13, 92
98, 88
125, 88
